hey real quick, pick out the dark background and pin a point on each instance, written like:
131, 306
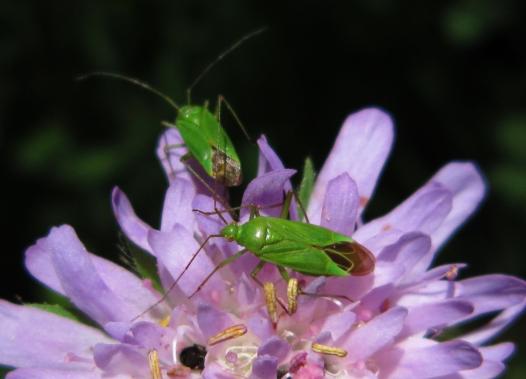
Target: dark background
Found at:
451, 73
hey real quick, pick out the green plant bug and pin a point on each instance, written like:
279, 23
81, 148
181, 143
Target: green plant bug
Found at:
304, 248
201, 130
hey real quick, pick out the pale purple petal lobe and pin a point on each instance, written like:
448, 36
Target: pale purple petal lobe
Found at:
134, 228
376, 334
24, 342
360, 150
340, 207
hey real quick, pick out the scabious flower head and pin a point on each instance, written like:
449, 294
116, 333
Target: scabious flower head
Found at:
394, 328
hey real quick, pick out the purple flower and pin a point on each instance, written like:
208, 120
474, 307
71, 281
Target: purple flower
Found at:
395, 327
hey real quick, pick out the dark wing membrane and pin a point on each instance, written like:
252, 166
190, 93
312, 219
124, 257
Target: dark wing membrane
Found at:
301, 258
351, 257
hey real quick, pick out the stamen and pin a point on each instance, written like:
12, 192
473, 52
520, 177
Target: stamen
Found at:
292, 295
227, 334
165, 321
153, 363
452, 273
328, 350
270, 299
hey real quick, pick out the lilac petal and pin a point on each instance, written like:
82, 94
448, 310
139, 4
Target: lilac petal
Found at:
171, 157
38, 263
121, 359
424, 211
492, 365
492, 292
134, 228
274, 347
177, 207
432, 361
427, 293
487, 370
340, 208
265, 191
360, 150
118, 329
498, 352
375, 334
496, 325
268, 159
81, 281
122, 282
211, 321
373, 301
260, 325
440, 314
264, 367
407, 251
464, 180
436, 273
174, 250
147, 335
50, 373
24, 342
339, 324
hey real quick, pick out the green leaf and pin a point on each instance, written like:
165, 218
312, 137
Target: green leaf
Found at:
306, 185
56, 309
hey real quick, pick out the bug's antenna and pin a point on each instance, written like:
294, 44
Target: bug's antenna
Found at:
172, 286
134, 81
221, 56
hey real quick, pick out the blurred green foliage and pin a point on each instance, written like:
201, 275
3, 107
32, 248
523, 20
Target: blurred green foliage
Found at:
452, 74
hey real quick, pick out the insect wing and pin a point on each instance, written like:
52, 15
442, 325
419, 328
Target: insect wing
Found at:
301, 258
351, 257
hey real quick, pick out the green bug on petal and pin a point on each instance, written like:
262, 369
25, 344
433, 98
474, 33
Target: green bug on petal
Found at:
305, 248
200, 129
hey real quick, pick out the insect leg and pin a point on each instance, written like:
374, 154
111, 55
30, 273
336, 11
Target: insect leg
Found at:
184, 161
220, 100
221, 264
286, 205
172, 286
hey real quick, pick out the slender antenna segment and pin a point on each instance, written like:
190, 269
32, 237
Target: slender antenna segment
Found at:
222, 55
163, 298
134, 81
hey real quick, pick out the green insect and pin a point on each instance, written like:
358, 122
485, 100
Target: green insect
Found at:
201, 130
305, 248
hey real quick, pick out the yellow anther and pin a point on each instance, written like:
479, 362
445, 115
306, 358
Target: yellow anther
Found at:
270, 299
227, 334
452, 273
292, 295
153, 363
329, 350
165, 321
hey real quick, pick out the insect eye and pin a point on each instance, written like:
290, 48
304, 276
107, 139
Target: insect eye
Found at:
193, 357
